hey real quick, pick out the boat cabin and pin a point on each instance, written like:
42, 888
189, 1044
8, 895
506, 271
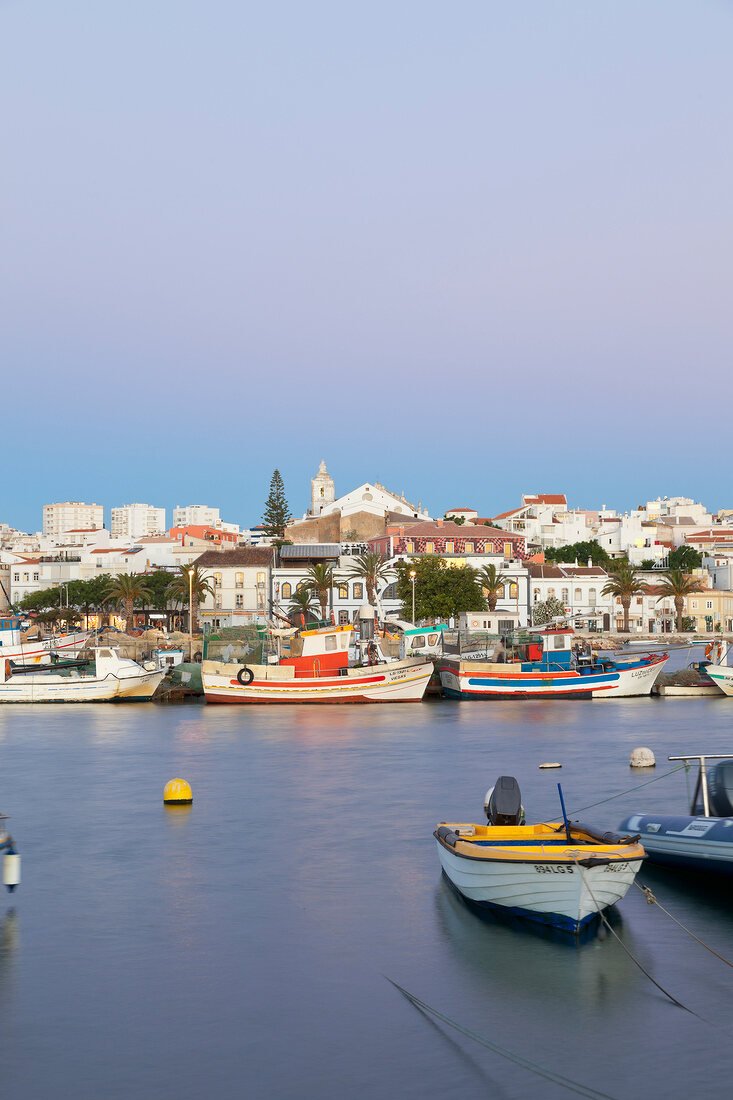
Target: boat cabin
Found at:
551, 649
323, 651
10, 630
416, 640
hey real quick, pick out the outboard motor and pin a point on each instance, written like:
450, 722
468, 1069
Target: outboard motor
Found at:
720, 788
503, 804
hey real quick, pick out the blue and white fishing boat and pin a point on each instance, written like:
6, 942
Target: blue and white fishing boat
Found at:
703, 839
543, 663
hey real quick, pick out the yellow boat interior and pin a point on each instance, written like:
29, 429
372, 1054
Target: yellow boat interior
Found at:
546, 841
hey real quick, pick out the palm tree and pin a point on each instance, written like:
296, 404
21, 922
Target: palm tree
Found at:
127, 589
678, 584
190, 580
302, 606
319, 580
371, 568
623, 583
492, 583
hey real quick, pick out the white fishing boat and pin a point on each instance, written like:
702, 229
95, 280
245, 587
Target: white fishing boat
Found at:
12, 646
312, 666
557, 873
718, 668
105, 678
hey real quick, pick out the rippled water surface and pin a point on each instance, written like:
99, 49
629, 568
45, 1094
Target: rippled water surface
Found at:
242, 947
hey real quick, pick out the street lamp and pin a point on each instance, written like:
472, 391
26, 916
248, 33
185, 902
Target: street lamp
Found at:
190, 608
413, 575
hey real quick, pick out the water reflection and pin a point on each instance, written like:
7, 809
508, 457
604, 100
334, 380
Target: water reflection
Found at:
529, 960
8, 948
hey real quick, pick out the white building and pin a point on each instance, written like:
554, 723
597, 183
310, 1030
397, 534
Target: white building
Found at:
241, 583
196, 515
134, 521
69, 515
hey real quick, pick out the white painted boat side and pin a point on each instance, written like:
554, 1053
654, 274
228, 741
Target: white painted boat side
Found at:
541, 888
399, 681
722, 677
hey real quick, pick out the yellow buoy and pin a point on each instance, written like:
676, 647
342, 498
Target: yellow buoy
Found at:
177, 793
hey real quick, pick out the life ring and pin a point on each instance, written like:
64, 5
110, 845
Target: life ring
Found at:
7, 667
245, 676
709, 650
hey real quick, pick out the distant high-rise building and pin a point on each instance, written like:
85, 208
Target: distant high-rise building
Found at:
71, 515
196, 515
135, 521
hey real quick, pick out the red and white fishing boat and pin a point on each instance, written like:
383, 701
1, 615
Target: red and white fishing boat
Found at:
312, 666
12, 648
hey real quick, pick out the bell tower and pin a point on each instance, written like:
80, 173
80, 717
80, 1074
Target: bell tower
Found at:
323, 491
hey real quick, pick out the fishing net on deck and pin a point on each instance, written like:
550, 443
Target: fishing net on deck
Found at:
238, 645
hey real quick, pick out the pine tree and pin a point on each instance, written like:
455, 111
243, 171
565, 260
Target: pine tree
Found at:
277, 514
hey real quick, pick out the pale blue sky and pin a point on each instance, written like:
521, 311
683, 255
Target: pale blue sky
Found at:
466, 249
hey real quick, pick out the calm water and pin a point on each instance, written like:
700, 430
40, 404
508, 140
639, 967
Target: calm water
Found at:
242, 947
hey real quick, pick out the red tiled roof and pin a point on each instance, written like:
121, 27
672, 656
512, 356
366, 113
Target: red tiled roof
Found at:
547, 498
512, 512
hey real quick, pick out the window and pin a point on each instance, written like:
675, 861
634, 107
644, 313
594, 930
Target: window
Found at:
35, 576
592, 597
579, 595
217, 603
410, 547
469, 547
16, 576
390, 592
429, 547
450, 547
432, 639
239, 580
536, 595
217, 580
26, 576
550, 593
514, 591
239, 600
418, 641
708, 605
565, 595
343, 618
287, 590
358, 591
343, 591
694, 604
330, 642
260, 578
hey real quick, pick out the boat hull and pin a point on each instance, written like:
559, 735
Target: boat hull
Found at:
693, 842
395, 682
32, 652
722, 677
44, 688
557, 893
483, 680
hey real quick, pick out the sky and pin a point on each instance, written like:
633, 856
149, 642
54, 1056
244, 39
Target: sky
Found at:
467, 250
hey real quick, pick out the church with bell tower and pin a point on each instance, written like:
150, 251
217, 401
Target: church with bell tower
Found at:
323, 490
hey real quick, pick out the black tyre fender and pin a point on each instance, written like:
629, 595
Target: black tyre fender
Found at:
245, 676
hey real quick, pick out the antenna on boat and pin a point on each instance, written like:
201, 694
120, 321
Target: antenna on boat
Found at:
564, 815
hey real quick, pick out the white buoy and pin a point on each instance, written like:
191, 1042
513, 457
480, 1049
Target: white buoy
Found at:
642, 758
11, 871
553, 765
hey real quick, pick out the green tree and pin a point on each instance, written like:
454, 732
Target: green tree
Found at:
302, 607
371, 568
277, 513
685, 558
624, 584
456, 519
546, 610
442, 591
191, 581
646, 564
127, 589
319, 580
679, 586
580, 552
492, 583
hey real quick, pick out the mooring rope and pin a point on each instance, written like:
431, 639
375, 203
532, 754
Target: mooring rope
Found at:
629, 953
652, 900
503, 1052
630, 790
